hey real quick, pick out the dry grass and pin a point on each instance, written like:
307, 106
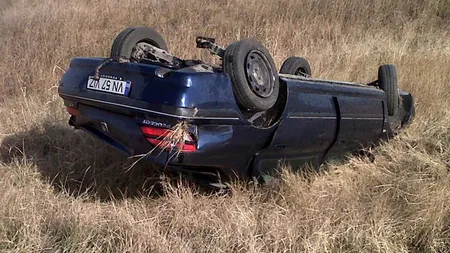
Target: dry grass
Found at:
62, 191
173, 141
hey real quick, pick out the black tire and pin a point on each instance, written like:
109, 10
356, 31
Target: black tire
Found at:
253, 75
387, 80
124, 43
298, 66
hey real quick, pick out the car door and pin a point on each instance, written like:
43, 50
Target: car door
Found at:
308, 128
362, 118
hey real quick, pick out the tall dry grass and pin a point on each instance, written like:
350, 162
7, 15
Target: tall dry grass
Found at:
62, 191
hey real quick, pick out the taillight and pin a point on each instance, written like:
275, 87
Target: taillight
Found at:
72, 111
162, 137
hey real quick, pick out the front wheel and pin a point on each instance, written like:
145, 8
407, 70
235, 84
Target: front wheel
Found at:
298, 66
387, 81
253, 75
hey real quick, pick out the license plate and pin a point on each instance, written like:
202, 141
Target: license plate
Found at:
109, 85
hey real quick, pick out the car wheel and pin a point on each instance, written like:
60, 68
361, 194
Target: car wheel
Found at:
125, 43
253, 75
298, 66
387, 81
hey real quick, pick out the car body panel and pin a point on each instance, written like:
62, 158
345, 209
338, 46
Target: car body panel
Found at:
323, 118
307, 129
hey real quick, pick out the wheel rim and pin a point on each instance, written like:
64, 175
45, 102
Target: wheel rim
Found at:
301, 72
259, 74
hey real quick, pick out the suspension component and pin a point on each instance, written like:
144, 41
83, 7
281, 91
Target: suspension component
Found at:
210, 43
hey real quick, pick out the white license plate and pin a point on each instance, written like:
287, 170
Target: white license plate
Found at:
109, 85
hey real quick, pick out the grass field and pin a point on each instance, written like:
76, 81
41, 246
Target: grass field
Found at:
63, 191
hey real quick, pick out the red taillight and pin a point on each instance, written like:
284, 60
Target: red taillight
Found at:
72, 111
161, 137
155, 131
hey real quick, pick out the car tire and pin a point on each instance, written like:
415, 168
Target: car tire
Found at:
297, 66
124, 43
253, 75
387, 81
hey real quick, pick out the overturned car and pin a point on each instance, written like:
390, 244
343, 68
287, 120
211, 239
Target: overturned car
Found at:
239, 119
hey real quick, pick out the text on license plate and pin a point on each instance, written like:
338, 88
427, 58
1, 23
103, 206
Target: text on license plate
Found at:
109, 85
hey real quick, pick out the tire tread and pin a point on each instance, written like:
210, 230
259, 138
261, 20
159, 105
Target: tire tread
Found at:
291, 64
387, 78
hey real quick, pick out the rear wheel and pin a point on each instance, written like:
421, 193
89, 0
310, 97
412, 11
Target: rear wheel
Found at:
387, 81
298, 66
253, 75
126, 42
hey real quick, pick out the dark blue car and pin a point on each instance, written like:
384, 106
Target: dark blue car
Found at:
239, 119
